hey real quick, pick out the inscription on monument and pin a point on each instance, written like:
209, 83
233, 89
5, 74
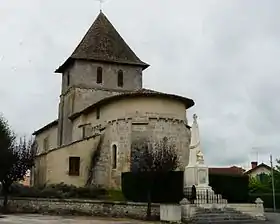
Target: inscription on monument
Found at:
202, 176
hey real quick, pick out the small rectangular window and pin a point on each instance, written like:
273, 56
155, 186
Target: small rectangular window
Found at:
84, 132
120, 78
114, 157
99, 75
97, 113
74, 166
46, 144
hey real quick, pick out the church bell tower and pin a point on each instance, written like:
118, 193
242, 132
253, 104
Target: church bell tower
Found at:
101, 65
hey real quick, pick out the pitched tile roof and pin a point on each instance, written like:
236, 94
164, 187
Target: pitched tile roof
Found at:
140, 92
234, 170
256, 167
126, 93
103, 43
46, 127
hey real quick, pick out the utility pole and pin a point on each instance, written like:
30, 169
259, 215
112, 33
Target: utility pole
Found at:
273, 187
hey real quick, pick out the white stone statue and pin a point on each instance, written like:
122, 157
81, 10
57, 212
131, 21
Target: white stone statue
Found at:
199, 158
196, 172
195, 149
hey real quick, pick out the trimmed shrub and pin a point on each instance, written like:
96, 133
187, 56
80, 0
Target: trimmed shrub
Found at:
267, 199
168, 187
163, 187
59, 191
116, 195
234, 188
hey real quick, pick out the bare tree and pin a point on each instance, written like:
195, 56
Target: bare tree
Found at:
153, 158
16, 158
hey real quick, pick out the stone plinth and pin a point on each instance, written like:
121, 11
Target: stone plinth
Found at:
170, 213
196, 175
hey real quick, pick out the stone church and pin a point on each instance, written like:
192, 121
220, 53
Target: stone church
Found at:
103, 109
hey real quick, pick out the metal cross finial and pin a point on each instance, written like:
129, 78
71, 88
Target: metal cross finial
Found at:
101, 4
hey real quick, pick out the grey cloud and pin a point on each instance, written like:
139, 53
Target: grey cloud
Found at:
223, 54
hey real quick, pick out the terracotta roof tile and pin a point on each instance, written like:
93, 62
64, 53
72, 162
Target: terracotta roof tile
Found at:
46, 127
227, 170
137, 93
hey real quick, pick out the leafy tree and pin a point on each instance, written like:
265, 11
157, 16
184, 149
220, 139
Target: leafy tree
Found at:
260, 184
153, 158
276, 175
16, 158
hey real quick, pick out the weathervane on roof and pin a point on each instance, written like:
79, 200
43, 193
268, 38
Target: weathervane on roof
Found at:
101, 4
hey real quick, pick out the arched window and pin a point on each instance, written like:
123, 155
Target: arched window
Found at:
99, 75
114, 156
120, 78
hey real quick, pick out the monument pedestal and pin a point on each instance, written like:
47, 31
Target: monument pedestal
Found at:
197, 173
198, 176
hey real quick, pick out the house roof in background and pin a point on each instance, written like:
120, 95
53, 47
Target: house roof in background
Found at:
257, 167
234, 170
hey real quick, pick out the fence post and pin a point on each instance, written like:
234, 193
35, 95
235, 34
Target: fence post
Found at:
259, 203
186, 209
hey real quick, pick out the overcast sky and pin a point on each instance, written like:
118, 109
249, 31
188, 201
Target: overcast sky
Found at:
224, 54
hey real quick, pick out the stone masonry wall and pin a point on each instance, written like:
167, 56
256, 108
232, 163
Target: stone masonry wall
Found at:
123, 132
81, 207
85, 97
120, 132
86, 91
40, 171
85, 73
116, 133
155, 129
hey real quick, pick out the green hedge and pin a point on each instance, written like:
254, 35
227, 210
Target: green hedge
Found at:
64, 191
168, 188
163, 187
234, 188
267, 199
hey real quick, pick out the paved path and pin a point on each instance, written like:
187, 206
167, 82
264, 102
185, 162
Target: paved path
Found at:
273, 218
40, 219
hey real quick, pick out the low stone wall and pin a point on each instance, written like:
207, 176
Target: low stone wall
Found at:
81, 207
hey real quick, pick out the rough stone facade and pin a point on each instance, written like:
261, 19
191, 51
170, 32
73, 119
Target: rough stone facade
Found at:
40, 171
81, 207
120, 124
84, 73
155, 129
80, 89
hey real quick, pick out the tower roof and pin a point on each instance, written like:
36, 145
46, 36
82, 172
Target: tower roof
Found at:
103, 43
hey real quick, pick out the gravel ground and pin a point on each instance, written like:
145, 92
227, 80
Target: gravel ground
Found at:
273, 218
